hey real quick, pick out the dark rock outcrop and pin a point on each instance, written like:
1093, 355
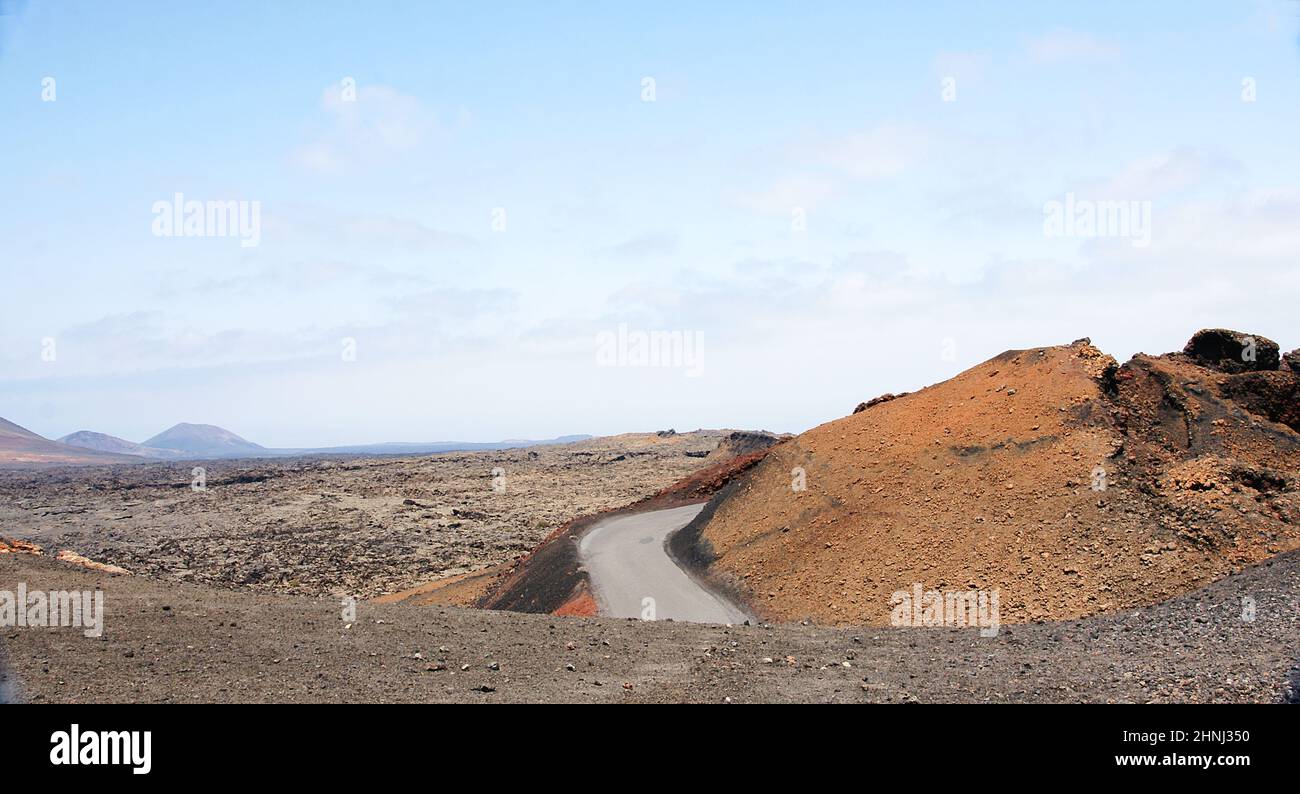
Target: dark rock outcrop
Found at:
1275, 395
1232, 351
744, 442
874, 401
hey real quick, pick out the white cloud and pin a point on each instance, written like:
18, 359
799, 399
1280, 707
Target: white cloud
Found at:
294, 277
1067, 45
804, 191
1166, 172
823, 167
967, 66
1252, 239
380, 123
367, 232
882, 151
643, 246
456, 305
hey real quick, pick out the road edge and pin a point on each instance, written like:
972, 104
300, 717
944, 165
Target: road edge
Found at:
551, 579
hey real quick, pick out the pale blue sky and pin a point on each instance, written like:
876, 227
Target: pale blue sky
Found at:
924, 217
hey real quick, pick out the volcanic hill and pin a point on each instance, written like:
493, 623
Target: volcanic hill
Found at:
21, 447
1071, 484
205, 440
102, 442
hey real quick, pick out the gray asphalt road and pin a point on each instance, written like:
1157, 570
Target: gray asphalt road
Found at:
627, 563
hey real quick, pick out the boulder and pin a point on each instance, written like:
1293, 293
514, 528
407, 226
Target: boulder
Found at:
1232, 351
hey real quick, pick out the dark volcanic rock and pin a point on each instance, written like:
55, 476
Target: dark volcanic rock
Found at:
1232, 351
874, 401
1275, 395
324, 526
744, 442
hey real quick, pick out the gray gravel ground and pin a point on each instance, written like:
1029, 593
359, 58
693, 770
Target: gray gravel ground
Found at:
179, 642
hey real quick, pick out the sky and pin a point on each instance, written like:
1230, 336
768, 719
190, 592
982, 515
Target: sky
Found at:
465, 221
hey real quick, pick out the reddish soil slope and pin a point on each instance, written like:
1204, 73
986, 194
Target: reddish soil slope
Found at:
992, 480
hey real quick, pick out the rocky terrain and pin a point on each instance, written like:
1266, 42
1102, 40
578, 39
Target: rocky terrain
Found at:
336, 526
1141, 523
177, 642
1070, 484
551, 578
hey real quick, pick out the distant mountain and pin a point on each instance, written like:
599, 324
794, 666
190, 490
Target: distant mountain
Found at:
8, 428
102, 442
21, 447
523, 442
206, 441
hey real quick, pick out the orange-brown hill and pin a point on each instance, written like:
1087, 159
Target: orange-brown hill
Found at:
992, 480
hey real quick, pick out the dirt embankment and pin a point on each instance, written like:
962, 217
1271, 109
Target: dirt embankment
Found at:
1070, 484
550, 579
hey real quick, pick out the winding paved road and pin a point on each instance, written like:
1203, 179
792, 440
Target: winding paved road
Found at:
627, 562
